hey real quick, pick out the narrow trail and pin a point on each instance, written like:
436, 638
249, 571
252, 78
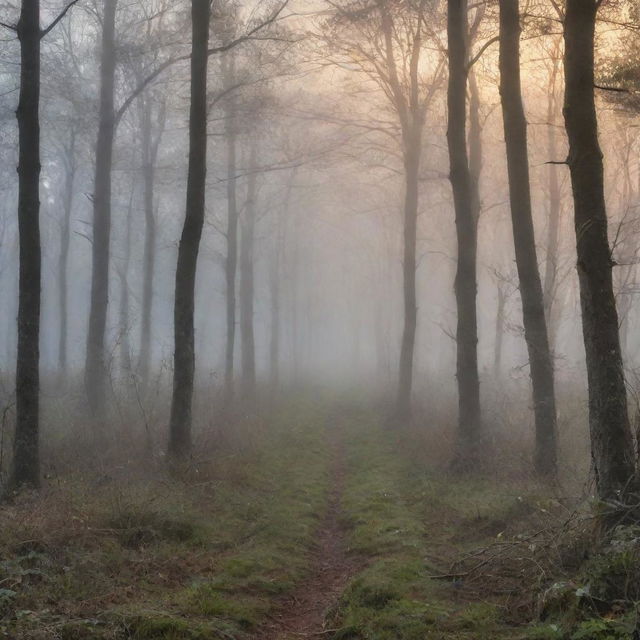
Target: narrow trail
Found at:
302, 613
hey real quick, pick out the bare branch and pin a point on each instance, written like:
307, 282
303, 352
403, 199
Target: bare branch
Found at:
165, 65
482, 49
60, 16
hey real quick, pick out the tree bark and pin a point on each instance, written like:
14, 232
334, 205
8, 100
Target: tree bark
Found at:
611, 441
469, 415
535, 326
95, 368
26, 460
63, 263
184, 355
247, 284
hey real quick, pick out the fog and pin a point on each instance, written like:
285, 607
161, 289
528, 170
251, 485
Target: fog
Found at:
357, 233
330, 176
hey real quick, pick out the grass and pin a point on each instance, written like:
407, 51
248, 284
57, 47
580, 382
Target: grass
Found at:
164, 559
407, 522
209, 557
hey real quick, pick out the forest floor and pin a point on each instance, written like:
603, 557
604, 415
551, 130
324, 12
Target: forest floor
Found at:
321, 524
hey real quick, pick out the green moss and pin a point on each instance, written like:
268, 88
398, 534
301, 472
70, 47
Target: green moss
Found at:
159, 627
601, 629
206, 600
479, 616
390, 505
225, 548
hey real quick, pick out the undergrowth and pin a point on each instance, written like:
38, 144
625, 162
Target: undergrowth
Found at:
418, 531
210, 556
204, 557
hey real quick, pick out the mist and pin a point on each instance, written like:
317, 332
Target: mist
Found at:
324, 314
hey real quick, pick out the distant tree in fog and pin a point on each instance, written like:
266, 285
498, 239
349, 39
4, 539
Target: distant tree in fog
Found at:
387, 43
95, 366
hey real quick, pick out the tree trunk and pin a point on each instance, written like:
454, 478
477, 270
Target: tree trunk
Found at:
499, 338
555, 202
535, 326
274, 342
247, 284
475, 144
26, 460
295, 267
63, 263
275, 295
231, 266
611, 441
150, 148
125, 342
469, 420
95, 369
184, 356
405, 382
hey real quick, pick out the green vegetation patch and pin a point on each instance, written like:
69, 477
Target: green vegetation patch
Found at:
209, 557
389, 508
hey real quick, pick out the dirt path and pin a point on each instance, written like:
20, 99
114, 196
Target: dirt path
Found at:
302, 614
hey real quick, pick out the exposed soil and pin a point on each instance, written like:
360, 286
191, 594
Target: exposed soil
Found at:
302, 614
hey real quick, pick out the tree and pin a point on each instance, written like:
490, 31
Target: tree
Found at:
184, 332
95, 368
247, 249
26, 461
533, 310
231, 263
469, 413
551, 273
386, 42
65, 239
152, 132
611, 441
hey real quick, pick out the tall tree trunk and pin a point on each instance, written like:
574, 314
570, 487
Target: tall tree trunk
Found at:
469, 417
63, 263
26, 460
150, 146
295, 267
247, 283
553, 224
275, 295
274, 342
231, 266
611, 441
405, 381
535, 326
499, 337
184, 355
125, 342
475, 144
95, 369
